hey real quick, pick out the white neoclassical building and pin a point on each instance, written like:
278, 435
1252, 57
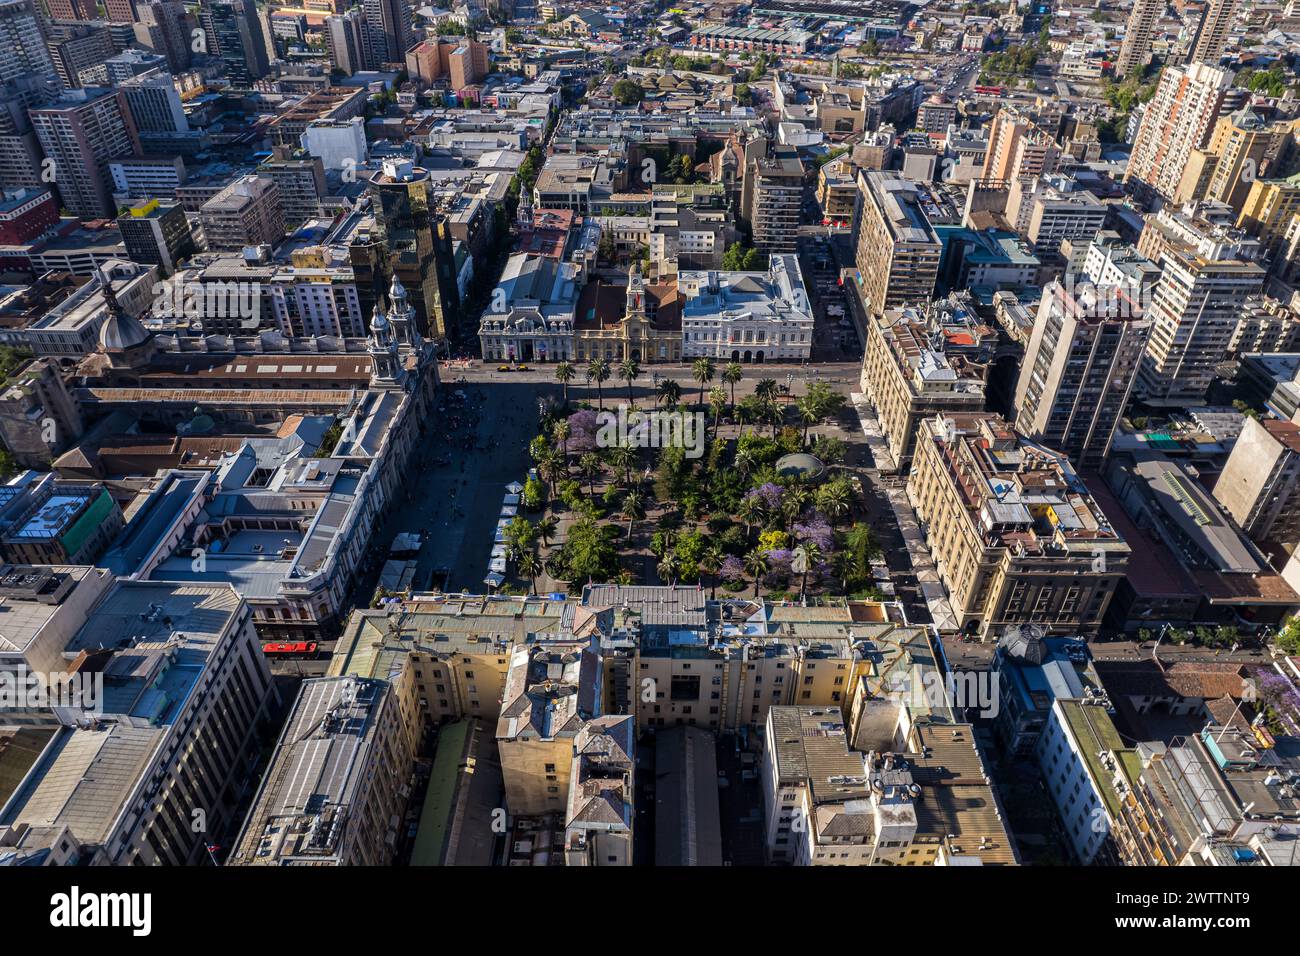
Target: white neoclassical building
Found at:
748, 317
530, 314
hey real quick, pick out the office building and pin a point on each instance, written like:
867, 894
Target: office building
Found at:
154, 103
411, 240
1078, 370
300, 185
157, 235
81, 132
75, 47
1177, 120
898, 250
154, 776
367, 733
245, 213
1016, 535
388, 31
164, 27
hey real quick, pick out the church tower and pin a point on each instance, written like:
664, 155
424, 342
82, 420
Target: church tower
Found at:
382, 346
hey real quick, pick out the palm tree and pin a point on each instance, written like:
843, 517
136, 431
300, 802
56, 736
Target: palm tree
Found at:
702, 372
623, 458
560, 433
663, 540
530, 566
667, 569
670, 390
756, 566
811, 556
834, 499
766, 389
564, 375
750, 512
628, 371
589, 466
711, 563
553, 468
809, 413
717, 402
860, 542
546, 528
796, 499
598, 372
633, 509
744, 461
842, 565
732, 374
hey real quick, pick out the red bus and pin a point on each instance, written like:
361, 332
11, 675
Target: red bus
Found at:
990, 90
289, 647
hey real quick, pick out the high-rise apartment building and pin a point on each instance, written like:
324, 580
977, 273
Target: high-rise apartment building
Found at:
75, 47
80, 132
345, 36
1018, 148
22, 45
1016, 536
21, 162
245, 213
1135, 51
898, 250
1212, 32
775, 192
164, 27
1270, 207
1177, 120
1207, 272
1079, 368
388, 30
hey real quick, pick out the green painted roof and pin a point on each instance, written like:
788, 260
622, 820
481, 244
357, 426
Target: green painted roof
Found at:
435, 815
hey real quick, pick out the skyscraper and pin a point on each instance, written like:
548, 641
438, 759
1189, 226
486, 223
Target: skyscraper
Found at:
1178, 119
897, 249
1212, 32
411, 241
234, 33
1135, 51
81, 132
